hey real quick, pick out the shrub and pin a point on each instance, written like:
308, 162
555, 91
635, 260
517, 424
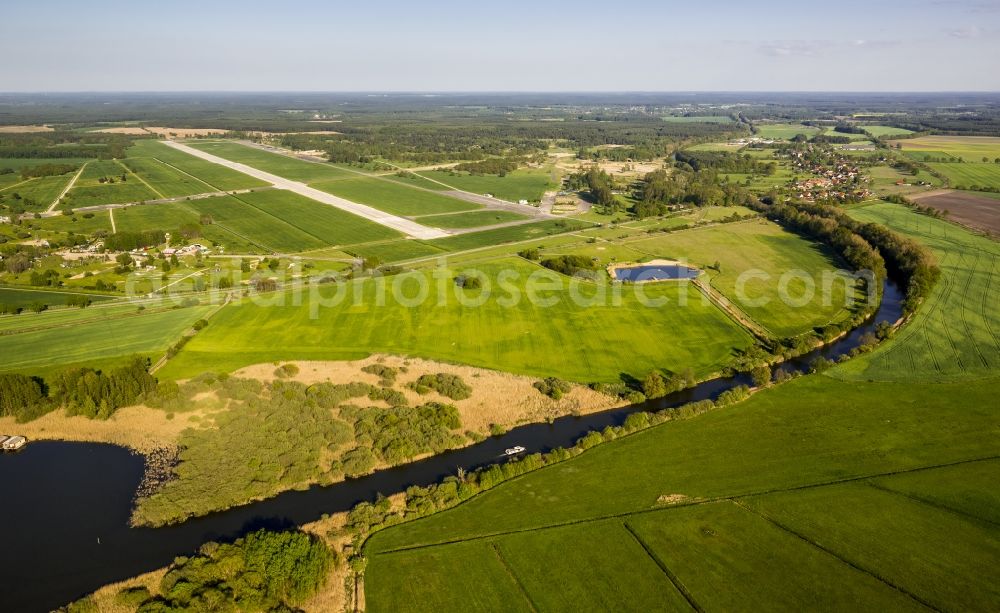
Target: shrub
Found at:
386, 374
447, 385
552, 387
286, 371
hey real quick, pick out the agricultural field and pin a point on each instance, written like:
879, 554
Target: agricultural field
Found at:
510, 234
472, 219
800, 434
96, 343
977, 210
275, 163
394, 197
784, 131
969, 175
218, 177
521, 184
166, 180
969, 148
518, 337
395, 251
35, 194
236, 215
325, 222
95, 186
956, 332
16, 296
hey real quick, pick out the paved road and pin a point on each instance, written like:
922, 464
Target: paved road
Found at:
406, 226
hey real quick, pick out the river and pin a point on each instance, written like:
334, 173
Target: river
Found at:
64, 507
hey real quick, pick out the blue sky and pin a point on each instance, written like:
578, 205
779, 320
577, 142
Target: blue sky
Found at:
514, 45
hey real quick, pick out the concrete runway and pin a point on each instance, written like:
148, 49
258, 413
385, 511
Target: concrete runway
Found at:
406, 226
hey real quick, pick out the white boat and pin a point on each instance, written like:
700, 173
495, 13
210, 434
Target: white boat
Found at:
514, 450
14, 443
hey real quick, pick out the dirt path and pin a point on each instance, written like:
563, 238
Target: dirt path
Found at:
141, 180
66, 189
406, 226
111, 215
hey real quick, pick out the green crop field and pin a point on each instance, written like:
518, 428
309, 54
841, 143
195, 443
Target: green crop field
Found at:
859, 491
235, 215
109, 193
753, 255
165, 179
521, 184
507, 332
394, 197
784, 131
218, 177
956, 332
327, 223
970, 148
510, 234
968, 175
102, 309
275, 163
886, 131
472, 219
26, 297
395, 251
42, 191
962, 553
95, 343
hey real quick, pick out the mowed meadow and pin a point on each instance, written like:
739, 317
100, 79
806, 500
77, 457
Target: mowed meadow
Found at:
597, 342
851, 492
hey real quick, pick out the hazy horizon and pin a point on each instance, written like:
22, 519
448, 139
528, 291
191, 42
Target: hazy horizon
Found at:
453, 47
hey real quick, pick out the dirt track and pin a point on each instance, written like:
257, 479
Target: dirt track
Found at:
973, 210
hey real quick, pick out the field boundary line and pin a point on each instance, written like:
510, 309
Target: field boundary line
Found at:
141, 180
181, 170
837, 556
674, 579
66, 189
693, 503
935, 505
510, 571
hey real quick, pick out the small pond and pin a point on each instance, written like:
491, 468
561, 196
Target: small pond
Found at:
654, 272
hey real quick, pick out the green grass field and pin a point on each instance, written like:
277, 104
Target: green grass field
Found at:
394, 197
753, 256
568, 339
521, 184
956, 332
218, 177
879, 131
471, 219
96, 343
848, 494
275, 163
785, 131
